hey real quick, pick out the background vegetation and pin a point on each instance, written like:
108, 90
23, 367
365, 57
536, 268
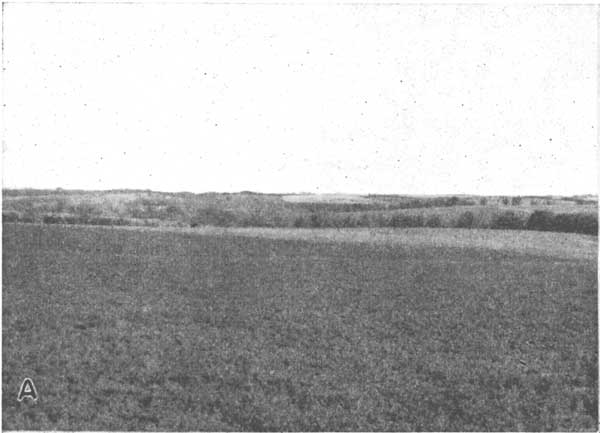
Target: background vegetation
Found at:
248, 209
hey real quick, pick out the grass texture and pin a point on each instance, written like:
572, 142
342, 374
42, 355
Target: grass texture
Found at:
198, 330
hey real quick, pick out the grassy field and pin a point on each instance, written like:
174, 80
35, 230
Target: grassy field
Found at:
337, 330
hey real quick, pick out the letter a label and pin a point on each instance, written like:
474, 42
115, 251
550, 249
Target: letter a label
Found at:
27, 390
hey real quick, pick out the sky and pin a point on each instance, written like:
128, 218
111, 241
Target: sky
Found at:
422, 99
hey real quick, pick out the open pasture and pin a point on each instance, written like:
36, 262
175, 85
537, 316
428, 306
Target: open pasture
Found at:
251, 329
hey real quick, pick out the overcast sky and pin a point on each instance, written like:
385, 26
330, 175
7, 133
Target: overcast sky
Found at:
273, 98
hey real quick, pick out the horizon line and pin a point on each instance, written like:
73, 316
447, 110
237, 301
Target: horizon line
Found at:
149, 190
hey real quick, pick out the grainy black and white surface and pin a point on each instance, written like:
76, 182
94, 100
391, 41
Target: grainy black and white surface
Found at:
144, 329
414, 247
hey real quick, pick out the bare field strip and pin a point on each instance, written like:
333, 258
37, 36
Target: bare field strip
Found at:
325, 198
552, 244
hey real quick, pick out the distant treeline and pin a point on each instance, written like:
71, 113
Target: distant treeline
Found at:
248, 209
585, 223
503, 220
66, 219
386, 203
